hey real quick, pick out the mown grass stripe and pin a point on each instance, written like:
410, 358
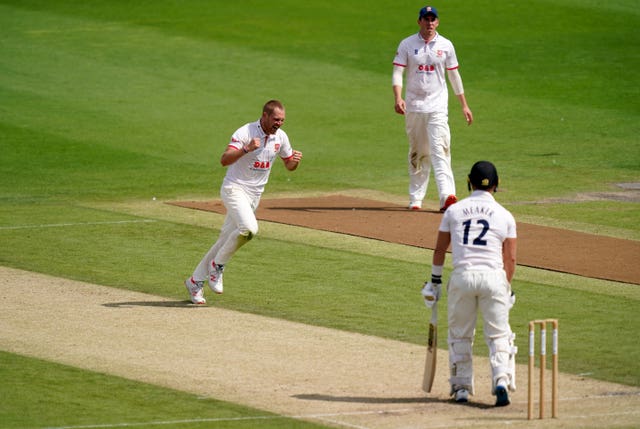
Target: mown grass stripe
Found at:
58, 225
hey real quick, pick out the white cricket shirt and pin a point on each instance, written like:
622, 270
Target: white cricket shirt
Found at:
252, 170
478, 226
425, 66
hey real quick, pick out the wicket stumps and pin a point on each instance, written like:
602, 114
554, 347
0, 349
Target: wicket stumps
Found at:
554, 366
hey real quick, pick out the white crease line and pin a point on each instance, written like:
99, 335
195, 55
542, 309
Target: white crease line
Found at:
331, 417
222, 419
341, 423
57, 225
168, 422
321, 416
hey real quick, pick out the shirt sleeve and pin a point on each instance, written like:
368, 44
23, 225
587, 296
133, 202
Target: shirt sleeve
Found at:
511, 227
401, 56
286, 151
240, 137
451, 62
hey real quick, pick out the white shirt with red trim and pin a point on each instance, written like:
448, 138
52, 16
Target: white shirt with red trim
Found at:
478, 226
252, 170
425, 66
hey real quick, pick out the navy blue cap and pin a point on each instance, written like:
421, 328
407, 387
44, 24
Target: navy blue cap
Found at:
428, 10
483, 175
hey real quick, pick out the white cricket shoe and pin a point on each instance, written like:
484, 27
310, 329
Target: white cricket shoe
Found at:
461, 396
215, 277
415, 205
196, 291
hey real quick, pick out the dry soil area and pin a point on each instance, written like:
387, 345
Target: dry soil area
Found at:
337, 378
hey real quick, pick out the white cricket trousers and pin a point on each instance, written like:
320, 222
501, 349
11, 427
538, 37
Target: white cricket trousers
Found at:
429, 146
488, 291
240, 226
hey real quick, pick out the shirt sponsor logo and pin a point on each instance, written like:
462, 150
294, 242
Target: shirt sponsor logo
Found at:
426, 67
261, 165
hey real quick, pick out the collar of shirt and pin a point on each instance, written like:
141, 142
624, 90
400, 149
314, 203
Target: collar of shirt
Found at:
479, 193
430, 41
264, 137
262, 132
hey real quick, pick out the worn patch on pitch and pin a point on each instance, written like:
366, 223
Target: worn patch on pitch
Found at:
544, 247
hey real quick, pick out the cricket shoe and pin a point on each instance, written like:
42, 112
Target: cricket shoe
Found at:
461, 396
415, 205
215, 277
502, 395
196, 291
451, 199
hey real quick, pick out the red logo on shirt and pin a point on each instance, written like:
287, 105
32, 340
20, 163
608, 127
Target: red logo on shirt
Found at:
261, 165
426, 67
439, 52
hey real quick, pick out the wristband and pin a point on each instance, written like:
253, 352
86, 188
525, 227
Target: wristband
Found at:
436, 274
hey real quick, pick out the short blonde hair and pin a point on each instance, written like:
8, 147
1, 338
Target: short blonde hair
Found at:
272, 105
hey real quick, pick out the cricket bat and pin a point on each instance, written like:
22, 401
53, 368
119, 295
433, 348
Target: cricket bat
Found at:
432, 348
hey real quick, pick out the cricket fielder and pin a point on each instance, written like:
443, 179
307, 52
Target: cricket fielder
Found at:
425, 57
249, 158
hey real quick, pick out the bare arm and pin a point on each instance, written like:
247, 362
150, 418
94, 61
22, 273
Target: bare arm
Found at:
431, 289
465, 109
509, 248
232, 154
442, 244
399, 104
293, 162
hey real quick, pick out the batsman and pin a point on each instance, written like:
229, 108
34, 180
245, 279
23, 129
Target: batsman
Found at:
482, 235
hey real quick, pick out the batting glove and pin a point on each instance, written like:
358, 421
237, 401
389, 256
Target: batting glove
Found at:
431, 293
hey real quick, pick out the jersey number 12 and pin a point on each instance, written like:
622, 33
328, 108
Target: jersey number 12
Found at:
478, 241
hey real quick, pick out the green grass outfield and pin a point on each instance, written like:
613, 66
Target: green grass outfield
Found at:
106, 104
